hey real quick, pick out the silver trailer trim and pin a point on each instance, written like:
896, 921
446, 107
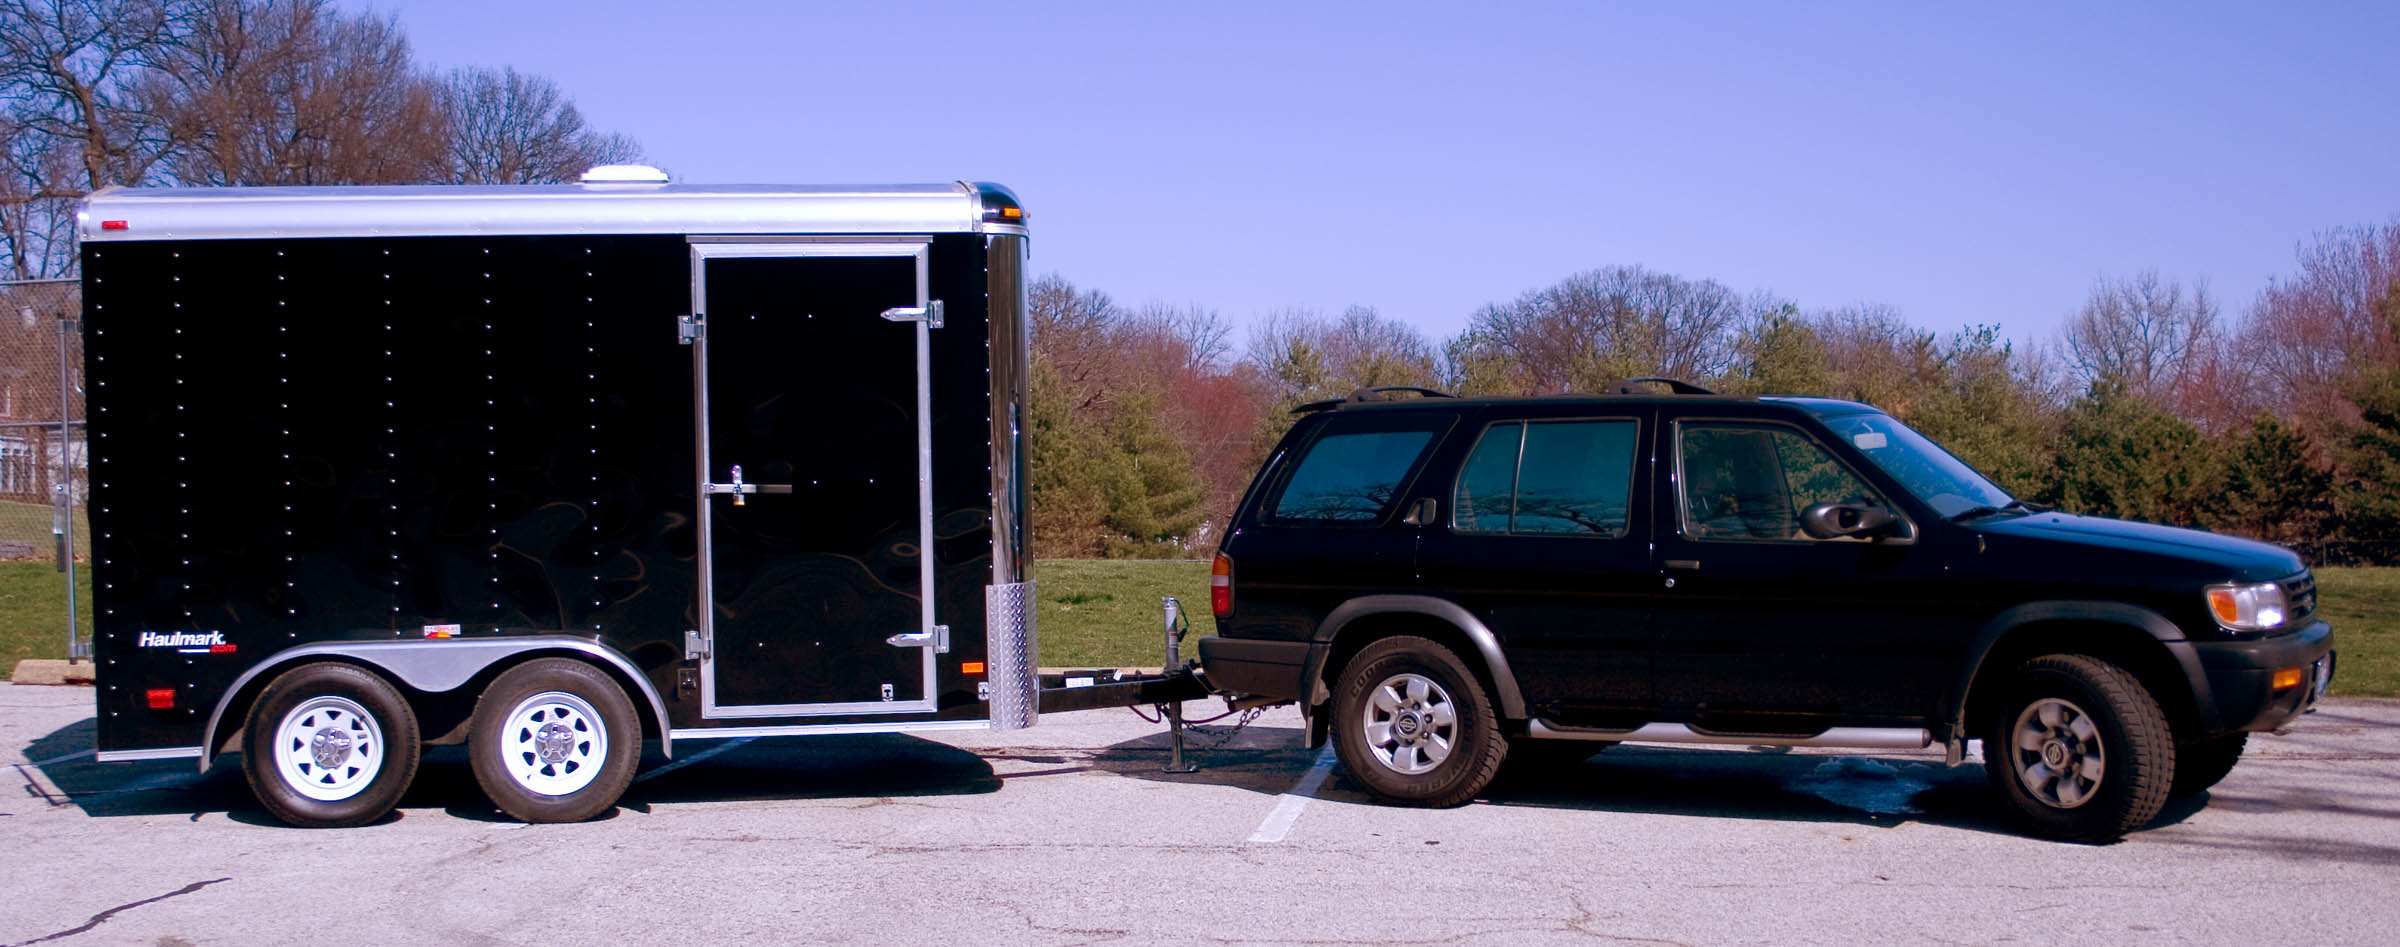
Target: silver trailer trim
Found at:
233, 213
902, 726
137, 756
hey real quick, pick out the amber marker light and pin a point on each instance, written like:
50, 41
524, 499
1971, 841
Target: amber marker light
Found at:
971, 667
2287, 677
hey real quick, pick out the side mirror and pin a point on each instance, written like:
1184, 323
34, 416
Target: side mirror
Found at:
1846, 520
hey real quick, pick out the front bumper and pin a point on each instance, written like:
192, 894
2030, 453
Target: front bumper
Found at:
2241, 676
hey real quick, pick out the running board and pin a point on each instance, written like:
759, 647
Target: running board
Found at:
1880, 738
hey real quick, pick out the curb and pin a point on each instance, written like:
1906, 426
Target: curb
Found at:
52, 671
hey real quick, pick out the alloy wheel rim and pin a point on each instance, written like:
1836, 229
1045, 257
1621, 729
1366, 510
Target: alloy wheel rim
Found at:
2056, 753
1410, 723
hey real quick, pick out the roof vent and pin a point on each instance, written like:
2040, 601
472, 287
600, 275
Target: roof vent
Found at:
624, 174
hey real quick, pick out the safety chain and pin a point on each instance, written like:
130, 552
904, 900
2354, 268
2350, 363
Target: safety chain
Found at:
1222, 735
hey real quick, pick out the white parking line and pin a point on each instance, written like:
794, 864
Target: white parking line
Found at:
724, 747
1287, 806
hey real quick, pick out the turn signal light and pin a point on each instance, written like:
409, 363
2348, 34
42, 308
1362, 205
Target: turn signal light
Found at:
971, 667
1220, 586
2287, 677
161, 698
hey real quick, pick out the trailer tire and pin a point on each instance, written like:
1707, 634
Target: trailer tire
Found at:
554, 740
1412, 723
328, 745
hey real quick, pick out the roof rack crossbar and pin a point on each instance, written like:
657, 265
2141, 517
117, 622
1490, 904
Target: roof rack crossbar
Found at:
1628, 386
1358, 395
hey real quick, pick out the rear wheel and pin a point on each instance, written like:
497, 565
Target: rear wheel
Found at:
2201, 763
2081, 749
554, 740
1413, 724
329, 745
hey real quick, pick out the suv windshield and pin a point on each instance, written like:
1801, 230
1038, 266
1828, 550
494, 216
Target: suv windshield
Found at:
1944, 482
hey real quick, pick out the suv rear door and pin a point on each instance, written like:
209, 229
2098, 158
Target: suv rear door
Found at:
1543, 534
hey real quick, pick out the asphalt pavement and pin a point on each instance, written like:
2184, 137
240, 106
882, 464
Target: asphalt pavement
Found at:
1072, 833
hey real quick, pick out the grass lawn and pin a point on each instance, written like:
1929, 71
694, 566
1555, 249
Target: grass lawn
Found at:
2364, 606
33, 611
1104, 612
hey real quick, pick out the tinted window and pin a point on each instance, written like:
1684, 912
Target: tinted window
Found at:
1752, 482
1350, 477
1569, 477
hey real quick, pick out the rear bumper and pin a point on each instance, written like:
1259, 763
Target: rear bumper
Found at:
2241, 676
1254, 668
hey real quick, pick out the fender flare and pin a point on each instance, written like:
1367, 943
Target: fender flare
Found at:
435, 666
1487, 645
2155, 625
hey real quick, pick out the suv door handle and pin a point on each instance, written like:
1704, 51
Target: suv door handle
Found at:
1684, 565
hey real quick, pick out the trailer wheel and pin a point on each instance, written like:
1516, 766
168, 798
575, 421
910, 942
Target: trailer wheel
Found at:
1413, 724
554, 740
329, 745
2081, 749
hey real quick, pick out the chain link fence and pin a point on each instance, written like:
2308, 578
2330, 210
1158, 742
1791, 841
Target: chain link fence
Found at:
43, 456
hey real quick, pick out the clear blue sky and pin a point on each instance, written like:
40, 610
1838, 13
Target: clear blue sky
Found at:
1964, 163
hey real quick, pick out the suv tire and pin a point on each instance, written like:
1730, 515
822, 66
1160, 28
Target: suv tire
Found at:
2080, 748
2200, 764
1413, 724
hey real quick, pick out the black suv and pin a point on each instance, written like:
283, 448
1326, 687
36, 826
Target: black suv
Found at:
1442, 583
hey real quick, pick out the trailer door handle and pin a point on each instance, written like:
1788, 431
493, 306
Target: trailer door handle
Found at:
741, 490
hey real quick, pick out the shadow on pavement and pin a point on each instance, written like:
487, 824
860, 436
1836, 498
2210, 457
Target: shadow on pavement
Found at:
823, 767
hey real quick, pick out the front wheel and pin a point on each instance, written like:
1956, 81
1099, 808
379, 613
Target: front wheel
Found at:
1413, 724
2202, 763
329, 745
2081, 749
554, 740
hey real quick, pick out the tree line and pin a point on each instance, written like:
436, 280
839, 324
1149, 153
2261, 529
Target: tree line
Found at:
2281, 422
250, 92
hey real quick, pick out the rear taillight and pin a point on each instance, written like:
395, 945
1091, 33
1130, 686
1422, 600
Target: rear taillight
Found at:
1220, 586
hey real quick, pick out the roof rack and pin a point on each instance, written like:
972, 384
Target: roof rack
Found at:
1358, 395
1627, 386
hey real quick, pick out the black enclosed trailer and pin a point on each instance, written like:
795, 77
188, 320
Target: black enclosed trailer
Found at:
550, 470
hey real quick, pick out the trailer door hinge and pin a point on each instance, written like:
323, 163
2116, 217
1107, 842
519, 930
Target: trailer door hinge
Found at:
693, 648
930, 314
688, 328
938, 640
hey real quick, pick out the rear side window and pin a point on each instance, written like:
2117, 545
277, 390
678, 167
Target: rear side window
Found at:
1350, 477
1567, 478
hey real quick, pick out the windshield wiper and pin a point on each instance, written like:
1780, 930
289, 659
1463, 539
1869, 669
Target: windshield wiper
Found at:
1973, 512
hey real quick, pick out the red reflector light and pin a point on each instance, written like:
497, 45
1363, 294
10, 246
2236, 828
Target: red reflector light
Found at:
1220, 586
161, 698
971, 667
114, 225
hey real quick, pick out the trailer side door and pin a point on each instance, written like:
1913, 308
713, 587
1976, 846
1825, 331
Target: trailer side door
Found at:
814, 457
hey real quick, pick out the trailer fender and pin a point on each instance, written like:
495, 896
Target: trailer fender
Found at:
1487, 645
437, 665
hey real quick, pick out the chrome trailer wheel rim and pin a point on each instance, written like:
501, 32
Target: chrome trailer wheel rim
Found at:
553, 743
2056, 754
328, 748
1410, 723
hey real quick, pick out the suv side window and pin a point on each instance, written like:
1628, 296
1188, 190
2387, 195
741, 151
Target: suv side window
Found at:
1349, 477
1750, 481
1547, 477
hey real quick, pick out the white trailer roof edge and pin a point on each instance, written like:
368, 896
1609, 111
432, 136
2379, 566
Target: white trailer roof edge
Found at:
235, 213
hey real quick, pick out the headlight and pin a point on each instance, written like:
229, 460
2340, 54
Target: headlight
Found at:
2254, 607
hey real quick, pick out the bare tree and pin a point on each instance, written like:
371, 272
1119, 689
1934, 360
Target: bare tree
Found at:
1307, 355
297, 92
72, 120
1604, 324
2307, 338
2146, 331
507, 127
